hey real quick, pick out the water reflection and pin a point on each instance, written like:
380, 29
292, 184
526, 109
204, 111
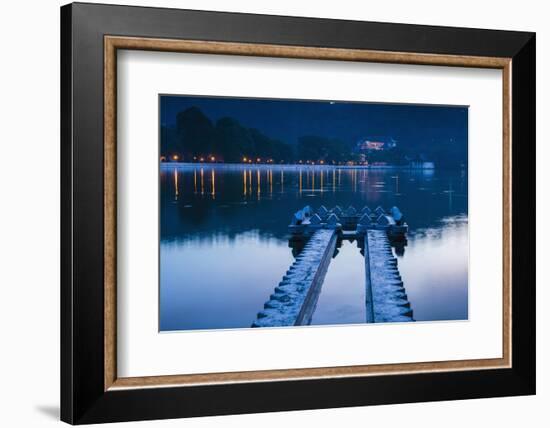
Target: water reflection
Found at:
259, 185
343, 296
438, 291
176, 183
224, 235
213, 282
213, 184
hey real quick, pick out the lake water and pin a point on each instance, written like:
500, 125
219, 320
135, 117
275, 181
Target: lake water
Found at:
224, 243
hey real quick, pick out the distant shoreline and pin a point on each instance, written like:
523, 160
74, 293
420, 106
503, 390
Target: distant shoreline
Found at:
294, 166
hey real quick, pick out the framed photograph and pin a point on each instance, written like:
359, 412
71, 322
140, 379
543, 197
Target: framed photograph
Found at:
266, 213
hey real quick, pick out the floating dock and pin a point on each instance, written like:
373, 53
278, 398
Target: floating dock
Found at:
295, 297
350, 221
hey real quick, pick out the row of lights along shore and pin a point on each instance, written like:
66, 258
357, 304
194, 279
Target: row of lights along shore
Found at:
245, 159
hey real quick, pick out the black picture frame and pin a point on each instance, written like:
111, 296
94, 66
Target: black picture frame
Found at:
83, 396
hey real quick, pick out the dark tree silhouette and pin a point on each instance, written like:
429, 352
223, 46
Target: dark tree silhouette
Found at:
195, 133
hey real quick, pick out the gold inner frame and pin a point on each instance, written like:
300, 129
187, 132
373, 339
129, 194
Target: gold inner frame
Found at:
113, 43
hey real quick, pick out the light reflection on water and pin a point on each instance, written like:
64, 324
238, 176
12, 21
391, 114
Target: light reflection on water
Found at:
224, 243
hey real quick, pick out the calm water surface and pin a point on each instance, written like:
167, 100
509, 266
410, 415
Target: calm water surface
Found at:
224, 243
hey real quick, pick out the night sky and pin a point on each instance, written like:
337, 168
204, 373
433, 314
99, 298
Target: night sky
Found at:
288, 120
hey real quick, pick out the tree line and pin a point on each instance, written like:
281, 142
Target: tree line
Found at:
195, 136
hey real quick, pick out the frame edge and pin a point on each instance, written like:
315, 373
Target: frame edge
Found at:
66, 315
523, 129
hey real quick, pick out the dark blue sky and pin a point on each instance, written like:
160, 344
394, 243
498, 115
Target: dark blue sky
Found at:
287, 120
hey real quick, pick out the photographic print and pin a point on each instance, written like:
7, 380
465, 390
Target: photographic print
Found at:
286, 213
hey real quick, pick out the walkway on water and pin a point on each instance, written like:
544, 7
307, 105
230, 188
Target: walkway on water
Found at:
386, 297
295, 298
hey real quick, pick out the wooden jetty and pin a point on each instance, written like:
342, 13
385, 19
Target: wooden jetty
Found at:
295, 298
